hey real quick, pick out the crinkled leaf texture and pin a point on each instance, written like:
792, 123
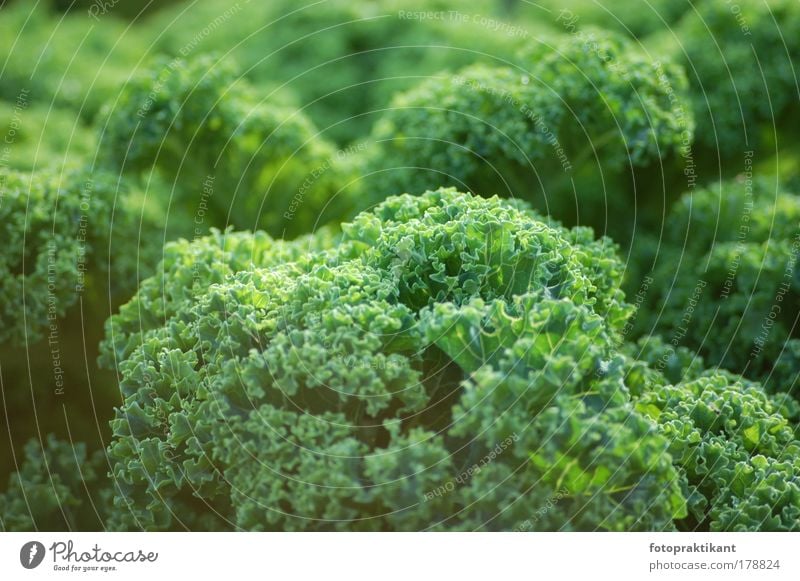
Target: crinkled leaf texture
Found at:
447, 362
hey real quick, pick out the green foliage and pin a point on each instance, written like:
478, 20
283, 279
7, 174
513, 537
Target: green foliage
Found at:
342, 389
68, 61
632, 17
726, 281
739, 453
225, 155
39, 137
554, 384
50, 490
62, 228
342, 59
75, 249
741, 60
330, 342
564, 130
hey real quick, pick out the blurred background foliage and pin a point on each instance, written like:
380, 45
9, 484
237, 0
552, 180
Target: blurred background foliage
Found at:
305, 113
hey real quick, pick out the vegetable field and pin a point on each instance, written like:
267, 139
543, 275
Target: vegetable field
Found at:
418, 265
